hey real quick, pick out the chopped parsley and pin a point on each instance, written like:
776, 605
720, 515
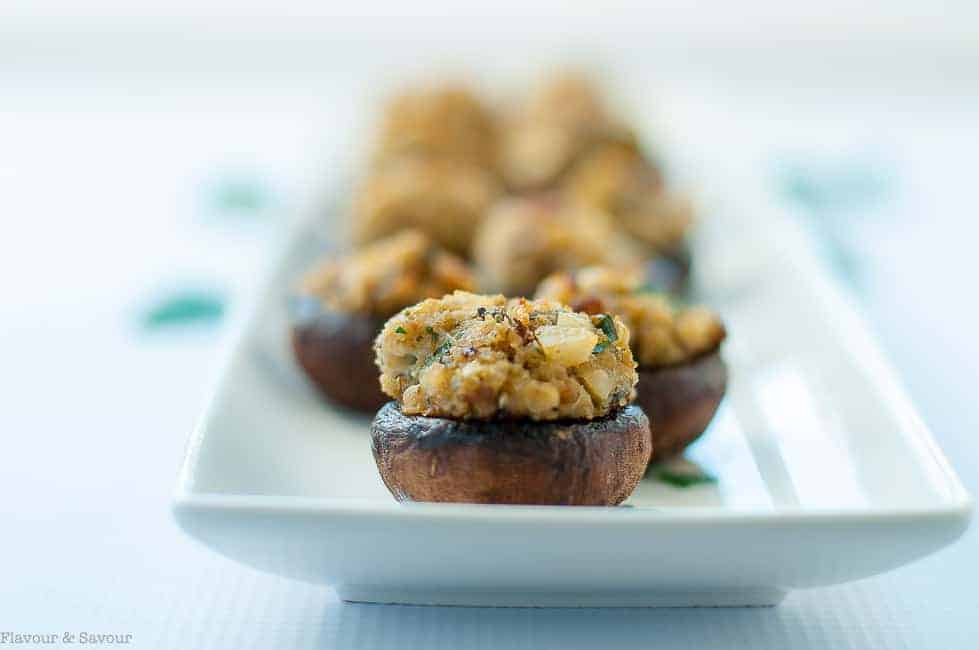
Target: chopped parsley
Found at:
607, 325
400, 330
431, 332
684, 480
682, 473
444, 347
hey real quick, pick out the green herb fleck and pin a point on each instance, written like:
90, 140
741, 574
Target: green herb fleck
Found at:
445, 346
607, 325
431, 332
684, 480
400, 330
682, 473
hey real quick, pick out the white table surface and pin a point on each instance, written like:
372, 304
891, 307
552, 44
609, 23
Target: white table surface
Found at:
102, 209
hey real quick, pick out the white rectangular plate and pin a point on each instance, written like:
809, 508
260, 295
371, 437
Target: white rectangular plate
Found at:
825, 473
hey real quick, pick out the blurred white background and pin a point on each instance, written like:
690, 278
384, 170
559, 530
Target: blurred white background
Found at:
130, 133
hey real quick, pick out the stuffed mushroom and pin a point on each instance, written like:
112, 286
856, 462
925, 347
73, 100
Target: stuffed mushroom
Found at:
564, 119
342, 305
625, 185
444, 198
525, 239
508, 401
682, 377
446, 121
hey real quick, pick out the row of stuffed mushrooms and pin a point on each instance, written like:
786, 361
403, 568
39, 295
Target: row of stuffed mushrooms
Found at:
556, 182
562, 393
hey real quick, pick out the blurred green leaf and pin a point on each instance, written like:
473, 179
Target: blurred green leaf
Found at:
683, 473
833, 185
193, 307
241, 195
684, 480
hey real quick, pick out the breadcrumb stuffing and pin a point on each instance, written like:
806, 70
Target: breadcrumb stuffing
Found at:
445, 198
469, 356
562, 120
620, 182
662, 334
389, 274
526, 238
446, 121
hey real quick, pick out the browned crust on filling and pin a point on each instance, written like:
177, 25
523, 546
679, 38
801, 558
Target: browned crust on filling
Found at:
468, 356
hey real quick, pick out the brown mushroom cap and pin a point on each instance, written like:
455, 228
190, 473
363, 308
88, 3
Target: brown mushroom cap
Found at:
680, 401
336, 350
586, 462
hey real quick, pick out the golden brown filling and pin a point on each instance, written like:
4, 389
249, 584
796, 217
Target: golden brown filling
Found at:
619, 181
383, 277
524, 239
447, 121
563, 120
479, 357
662, 334
444, 198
